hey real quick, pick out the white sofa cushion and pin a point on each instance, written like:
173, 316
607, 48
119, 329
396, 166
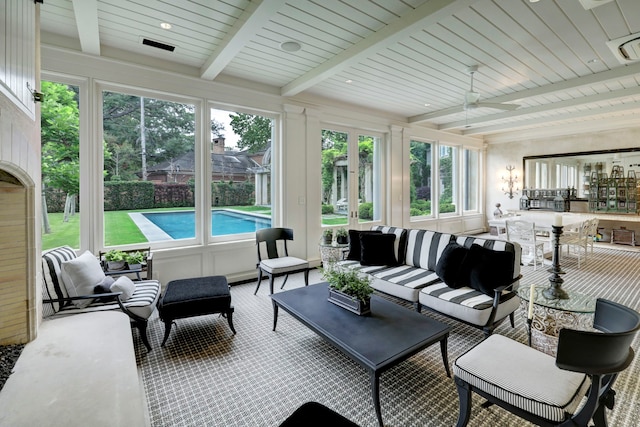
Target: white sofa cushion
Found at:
424, 248
466, 304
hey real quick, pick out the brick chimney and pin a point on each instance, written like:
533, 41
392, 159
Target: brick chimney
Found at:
217, 146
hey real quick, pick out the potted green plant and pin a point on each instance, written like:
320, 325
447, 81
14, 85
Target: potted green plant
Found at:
342, 237
327, 235
115, 259
134, 260
349, 290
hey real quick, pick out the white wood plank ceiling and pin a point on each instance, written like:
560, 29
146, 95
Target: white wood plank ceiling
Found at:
405, 57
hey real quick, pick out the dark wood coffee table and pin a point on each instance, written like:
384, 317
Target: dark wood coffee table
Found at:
390, 335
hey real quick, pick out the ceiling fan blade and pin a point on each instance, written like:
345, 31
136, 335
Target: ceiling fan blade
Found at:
498, 106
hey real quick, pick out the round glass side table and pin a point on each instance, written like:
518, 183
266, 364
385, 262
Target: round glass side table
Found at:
332, 252
551, 315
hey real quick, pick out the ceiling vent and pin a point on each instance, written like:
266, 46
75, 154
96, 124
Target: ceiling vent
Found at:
590, 4
157, 44
626, 49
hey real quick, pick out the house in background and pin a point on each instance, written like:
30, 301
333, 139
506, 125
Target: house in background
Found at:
226, 165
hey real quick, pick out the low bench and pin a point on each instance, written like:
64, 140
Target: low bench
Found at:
80, 371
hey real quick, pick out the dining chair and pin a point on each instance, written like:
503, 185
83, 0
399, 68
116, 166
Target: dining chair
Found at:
577, 238
547, 391
274, 259
593, 232
524, 233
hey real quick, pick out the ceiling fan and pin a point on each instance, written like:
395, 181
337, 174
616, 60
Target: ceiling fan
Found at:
472, 98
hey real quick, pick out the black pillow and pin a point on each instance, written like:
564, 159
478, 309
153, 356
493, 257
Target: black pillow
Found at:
449, 266
488, 269
377, 249
354, 243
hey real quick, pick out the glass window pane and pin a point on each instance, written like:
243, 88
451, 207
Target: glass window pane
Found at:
240, 172
471, 179
335, 182
420, 176
448, 167
60, 124
369, 176
149, 169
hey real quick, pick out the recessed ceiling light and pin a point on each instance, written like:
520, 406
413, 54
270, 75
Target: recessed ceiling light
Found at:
165, 25
592, 61
427, 104
534, 1
348, 81
290, 46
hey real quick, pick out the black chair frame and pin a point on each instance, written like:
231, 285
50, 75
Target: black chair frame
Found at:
271, 236
600, 355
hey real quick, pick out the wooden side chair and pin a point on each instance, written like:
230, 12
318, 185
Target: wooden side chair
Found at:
274, 259
548, 391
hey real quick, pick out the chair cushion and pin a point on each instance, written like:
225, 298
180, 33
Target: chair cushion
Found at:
523, 377
283, 264
142, 303
377, 249
81, 275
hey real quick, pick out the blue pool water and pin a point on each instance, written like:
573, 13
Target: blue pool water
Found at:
181, 224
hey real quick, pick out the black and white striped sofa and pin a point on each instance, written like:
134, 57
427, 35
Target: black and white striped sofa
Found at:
57, 301
415, 279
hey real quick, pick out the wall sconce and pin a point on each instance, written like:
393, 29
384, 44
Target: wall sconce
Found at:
37, 96
510, 182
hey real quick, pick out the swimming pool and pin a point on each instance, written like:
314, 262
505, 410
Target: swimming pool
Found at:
181, 224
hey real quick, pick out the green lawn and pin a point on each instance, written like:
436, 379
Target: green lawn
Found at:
121, 230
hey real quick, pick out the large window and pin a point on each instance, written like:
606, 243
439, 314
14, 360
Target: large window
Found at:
351, 177
240, 172
420, 179
60, 125
448, 174
149, 169
471, 174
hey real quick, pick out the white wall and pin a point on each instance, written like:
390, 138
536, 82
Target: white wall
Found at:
19, 158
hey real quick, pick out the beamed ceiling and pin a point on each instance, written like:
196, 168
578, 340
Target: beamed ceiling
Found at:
406, 57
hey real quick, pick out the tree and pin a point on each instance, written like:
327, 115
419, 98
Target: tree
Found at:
169, 131
217, 128
60, 143
420, 170
334, 146
254, 131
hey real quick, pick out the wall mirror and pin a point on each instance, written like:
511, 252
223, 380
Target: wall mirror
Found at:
572, 170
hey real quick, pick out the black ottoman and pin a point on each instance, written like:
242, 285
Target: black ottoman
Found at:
195, 297
316, 414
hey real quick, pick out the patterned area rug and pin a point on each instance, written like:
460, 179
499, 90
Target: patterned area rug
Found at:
206, 376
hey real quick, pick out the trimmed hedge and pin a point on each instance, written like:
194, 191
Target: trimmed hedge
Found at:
128, 195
